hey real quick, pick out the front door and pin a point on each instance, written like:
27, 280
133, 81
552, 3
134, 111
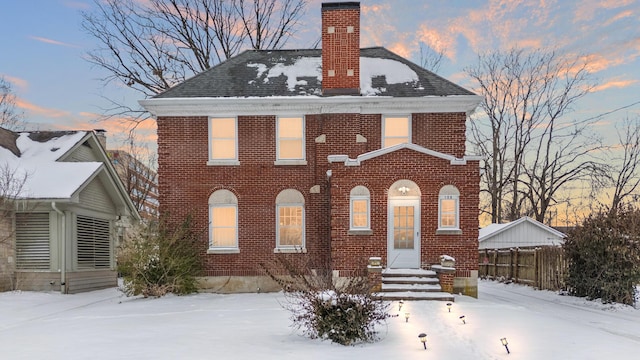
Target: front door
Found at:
403, 236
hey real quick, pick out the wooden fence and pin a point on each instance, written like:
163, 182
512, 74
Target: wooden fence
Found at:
542, 267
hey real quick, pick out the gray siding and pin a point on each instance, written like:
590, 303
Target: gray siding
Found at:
83, 154
82, 281
95, 197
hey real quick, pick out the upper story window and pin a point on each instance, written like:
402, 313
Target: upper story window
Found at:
290, 221
223, 222
448, 208
223, 141
396, 130
290, 141
360, 204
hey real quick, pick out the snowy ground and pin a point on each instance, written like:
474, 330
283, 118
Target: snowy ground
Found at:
106, 325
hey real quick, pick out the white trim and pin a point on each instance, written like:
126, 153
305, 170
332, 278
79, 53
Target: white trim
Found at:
222, 250
228, 200
199, 106
454, 195
375, 153
290, 161
368, 213
383, 128
227, 161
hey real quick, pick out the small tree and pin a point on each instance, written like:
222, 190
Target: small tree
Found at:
160, 259
604, 256
341, 310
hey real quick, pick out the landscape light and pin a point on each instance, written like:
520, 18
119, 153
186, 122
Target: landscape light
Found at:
463, 319
423, 338
505, 343
406, 317
449, 306
400, 303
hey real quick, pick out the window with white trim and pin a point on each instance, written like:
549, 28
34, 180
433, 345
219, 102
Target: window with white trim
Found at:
290, 139
359, 206
396, 130
290, 220
448, 208
223, 140
223, 220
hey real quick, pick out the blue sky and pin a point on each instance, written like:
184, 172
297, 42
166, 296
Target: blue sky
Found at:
43, 48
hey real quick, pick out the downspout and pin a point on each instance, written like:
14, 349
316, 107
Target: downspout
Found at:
63, 255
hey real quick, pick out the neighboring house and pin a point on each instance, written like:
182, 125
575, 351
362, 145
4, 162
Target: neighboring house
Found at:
334, 155
64, 210
521, 233
139, 180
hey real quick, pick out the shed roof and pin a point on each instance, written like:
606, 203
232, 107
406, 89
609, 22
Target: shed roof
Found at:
493, 229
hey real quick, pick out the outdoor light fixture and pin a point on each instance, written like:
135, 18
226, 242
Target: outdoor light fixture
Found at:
404, 190
406, 317
505, 343
449, 306
423, 338
400, 303
463, 319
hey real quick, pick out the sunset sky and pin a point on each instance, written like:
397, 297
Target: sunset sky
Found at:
43, 47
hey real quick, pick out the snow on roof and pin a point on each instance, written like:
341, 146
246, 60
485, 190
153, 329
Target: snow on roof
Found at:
44, 176
394, 72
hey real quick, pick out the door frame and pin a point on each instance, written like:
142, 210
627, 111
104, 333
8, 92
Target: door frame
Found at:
404, 258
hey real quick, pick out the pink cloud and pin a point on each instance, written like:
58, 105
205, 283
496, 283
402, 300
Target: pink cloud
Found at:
39, 110
22, 84
51, 41
615, 84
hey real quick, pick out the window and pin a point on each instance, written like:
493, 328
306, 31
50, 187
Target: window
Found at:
223, 138
448, 208
360, 208
94, 247
396, 130
223, 220
290, 141
290, 224
32, 241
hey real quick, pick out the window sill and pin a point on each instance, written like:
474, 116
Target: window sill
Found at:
290, 250
290, 162
360, 232
448, 232
223, 251
223, 163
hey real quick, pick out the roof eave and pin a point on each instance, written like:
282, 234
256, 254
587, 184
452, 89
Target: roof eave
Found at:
309, 105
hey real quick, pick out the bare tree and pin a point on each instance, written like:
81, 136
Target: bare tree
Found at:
10, 117
430, 58
622, 171
524, 134
150, 46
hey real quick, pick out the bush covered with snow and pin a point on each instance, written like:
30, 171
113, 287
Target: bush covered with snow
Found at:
604, 257
342, 310
156, 260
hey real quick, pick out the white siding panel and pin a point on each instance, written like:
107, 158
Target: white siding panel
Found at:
524, 234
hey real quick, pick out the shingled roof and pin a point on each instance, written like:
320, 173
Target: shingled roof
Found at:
278, 73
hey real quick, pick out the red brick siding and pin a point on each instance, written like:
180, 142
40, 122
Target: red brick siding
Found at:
443, 132
341, 50
186, 182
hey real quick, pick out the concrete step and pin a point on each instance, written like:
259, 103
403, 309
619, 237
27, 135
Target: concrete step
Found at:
413, 295
410, 280
411, 287
408, 272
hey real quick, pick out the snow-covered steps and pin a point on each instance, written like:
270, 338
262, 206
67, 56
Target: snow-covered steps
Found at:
412, 284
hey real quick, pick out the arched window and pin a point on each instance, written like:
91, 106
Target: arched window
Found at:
360, 208
223, 220
290, 221
449, 208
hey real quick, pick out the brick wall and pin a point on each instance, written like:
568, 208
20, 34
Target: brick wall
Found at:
186, 182
340, 48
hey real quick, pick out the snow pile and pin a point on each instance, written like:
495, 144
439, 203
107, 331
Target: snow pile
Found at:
393, 71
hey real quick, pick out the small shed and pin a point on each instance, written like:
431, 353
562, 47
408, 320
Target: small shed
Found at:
521, 233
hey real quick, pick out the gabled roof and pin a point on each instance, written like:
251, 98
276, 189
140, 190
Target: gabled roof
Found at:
379, 152
494, 229
36, 160
278, 73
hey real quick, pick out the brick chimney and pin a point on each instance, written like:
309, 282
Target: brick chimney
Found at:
341, 48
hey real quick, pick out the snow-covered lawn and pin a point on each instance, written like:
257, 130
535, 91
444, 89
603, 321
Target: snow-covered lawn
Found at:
106, 325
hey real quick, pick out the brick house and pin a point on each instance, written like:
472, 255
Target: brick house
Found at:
338, 154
